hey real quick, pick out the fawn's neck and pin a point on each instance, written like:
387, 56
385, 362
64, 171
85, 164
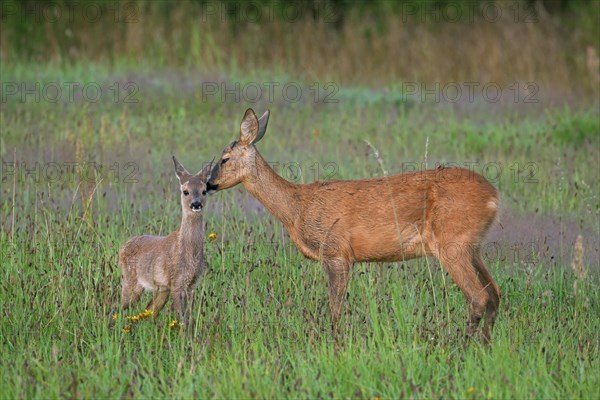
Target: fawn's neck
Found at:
278, 196
191, 232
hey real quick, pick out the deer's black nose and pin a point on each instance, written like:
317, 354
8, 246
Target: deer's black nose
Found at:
210, 187
196, 206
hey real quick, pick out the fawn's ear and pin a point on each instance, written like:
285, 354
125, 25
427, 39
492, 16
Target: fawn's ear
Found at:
248, 128
262, 126
204, 174
182, 173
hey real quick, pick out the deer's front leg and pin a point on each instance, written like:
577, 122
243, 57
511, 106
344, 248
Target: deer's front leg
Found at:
338, 272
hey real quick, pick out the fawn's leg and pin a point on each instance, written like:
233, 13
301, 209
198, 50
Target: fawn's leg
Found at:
159, 299
130, 294
182, 304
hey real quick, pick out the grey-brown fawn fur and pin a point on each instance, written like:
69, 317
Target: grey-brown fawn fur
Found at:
444, 213
169, 264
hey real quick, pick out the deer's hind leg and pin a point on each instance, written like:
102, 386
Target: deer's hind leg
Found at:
458, 261
491, 311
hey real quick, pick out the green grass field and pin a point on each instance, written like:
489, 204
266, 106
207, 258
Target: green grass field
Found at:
262, 324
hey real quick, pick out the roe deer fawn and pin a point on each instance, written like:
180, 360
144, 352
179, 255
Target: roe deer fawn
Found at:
173, 263
444, 213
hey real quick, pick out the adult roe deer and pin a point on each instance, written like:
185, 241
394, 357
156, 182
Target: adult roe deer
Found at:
444, 213
173, 263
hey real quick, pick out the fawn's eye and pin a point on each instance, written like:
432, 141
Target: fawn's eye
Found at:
223, 161
185, 193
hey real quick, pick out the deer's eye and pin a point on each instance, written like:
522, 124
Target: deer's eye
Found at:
186, 193
223, 161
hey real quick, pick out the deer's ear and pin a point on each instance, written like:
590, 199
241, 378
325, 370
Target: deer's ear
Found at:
180, 171
262, 126
249, 128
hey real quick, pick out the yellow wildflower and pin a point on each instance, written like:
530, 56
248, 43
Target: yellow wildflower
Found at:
471, 390
138, 317
175, 325
115, 316
212, 236
126, 329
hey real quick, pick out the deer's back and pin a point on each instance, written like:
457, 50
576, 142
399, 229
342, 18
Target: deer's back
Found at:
386, 219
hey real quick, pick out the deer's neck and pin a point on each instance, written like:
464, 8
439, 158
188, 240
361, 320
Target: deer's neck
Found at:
278, 196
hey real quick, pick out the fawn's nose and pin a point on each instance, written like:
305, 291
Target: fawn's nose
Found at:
196, 205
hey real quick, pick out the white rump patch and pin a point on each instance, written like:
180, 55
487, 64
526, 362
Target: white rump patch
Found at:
493, 204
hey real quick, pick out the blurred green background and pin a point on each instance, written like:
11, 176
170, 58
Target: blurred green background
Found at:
552, 42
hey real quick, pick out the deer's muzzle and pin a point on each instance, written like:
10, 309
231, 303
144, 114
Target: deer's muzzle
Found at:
211, 188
